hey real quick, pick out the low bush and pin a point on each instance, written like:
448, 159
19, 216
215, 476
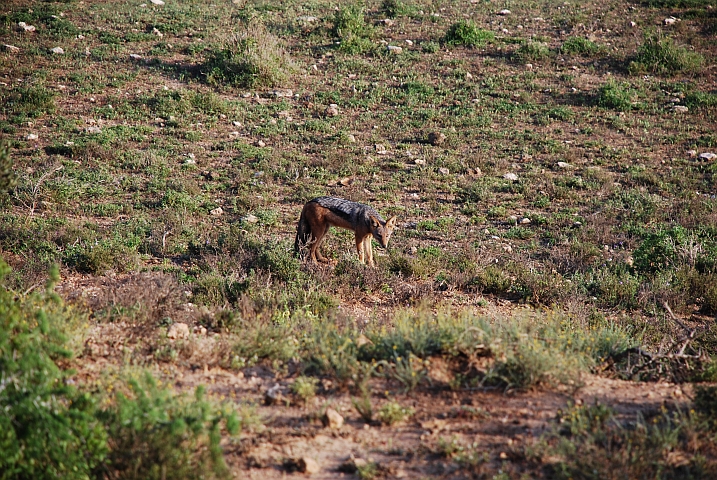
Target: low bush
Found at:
660, 55
469, 34
252, 58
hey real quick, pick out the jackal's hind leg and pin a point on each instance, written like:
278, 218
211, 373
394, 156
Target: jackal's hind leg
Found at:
315, 253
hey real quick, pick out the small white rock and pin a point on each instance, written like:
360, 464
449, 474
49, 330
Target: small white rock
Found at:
680, 109
419, 161
178, 330
11, 48
157, 33
691, 153
32, 136
444, 171
217, 211
25, 27
669, 21
157, 2
134, 56
394, 49
251, 218
93, 130
511, 176
564, 165
633, 24
504, 12
524, 221
332, 110
409, 42
380, 149
58, 50
707, 156
236, 124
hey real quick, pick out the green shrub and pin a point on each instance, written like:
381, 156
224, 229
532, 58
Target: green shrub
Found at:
532, 52
278, 258
155, 434
100, 256
395, 8
304, 387
658, 251
579, 46
660, 55
252, 58
469, 34
616, 96
47, 428
352, 30
392, 412
30, 101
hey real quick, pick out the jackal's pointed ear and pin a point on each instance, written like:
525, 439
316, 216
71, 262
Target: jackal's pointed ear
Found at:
391, 223
374, 222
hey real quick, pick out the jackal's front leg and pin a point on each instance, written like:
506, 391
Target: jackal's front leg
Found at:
360, 248
368, 250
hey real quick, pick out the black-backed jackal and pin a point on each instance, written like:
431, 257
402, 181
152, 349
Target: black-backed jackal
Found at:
323, 212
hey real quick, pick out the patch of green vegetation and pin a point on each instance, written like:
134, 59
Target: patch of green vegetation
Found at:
469, 34
660, 55
617, 96
253, 57
351, 29
579, 46
532, 52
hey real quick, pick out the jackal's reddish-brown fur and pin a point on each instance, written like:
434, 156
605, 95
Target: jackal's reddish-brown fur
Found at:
323, 212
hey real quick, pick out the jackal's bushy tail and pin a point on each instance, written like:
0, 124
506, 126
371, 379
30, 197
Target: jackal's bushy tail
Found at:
303, 233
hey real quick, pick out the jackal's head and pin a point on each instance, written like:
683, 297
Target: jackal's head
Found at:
382, 231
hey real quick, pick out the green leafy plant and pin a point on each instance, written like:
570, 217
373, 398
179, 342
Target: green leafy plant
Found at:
392, 412
253, 57
579, 46
660, 55
469, 34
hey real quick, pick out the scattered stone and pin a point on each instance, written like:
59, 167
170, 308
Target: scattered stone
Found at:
577, 224
529, 66
261, 143
157, 2
633, 24
134, 56
178, 331
32, 136
504, 12
57, 51
93, 130
11, 48
380, 149
307, 18
419, 161
414, 250
564, 165
307, 465
477, 172
524, 221
409, 42
511, 176
351, 138
332, 418
236, 124
273, 396
332, 110
280, 93
513, 219
436, 138
630, 261
707, 156
217, 211
25, 27
444, 171
190, 161
394, 49
345, 182
680, 109
157, 33
387, 21
670, 21
251, 218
